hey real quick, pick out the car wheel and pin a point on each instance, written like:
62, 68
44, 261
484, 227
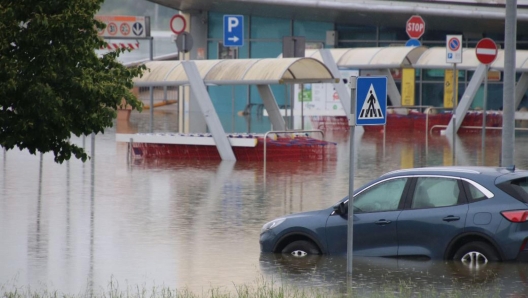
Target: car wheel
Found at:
475, 254
301, 248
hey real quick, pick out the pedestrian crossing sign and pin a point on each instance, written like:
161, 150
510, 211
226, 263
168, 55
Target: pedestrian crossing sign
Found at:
371, 101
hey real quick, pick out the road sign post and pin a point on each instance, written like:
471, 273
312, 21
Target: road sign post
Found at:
415, 27
453, 48
352, 83
125, 26
178, 24
233, 30
371, 98
454, 55
413, 43
486, 52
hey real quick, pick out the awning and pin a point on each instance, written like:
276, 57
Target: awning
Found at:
435, 58
373, 58
239, 72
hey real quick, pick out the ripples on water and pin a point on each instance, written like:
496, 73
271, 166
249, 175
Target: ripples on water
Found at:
75, 227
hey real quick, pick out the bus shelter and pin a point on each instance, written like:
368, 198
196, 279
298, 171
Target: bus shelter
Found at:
260, 72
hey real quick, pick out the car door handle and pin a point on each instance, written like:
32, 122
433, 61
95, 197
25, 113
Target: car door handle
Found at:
383, 222
451, 218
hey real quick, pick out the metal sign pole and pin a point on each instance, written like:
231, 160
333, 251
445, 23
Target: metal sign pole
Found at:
352, 125
151, 48
302, 106
455, 75
484, 107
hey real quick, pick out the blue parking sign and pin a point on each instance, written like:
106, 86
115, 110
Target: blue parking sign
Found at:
233, 30
371, 101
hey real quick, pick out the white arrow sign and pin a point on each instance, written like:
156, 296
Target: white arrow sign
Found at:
233, 39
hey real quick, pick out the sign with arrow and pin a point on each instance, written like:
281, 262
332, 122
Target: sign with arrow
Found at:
233, 30
125, 26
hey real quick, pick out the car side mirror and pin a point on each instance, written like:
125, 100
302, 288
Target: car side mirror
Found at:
340, 209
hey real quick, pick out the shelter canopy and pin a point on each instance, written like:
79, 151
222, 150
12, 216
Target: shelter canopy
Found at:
435, 58
239, 71
372, 58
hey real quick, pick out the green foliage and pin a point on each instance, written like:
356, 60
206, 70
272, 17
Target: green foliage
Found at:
52, 83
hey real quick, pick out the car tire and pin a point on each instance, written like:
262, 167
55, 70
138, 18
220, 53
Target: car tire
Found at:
476, 253
301, 248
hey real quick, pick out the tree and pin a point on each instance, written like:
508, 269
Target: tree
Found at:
52, 82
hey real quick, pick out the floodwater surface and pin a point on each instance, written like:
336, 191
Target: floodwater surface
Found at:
76, 227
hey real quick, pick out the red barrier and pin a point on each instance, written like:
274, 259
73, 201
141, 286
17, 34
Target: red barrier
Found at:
282, 149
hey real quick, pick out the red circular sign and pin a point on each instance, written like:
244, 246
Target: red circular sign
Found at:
486, 51
415, 27
178, 24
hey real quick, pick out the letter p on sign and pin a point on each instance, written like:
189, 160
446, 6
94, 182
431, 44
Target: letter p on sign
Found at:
232, 22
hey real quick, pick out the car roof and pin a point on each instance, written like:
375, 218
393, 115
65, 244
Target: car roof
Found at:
471, 172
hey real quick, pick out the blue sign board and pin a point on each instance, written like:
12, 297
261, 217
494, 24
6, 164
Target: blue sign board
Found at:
413, 43
371, 101
233, 30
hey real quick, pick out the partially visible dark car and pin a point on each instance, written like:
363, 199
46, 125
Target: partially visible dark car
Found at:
471, 214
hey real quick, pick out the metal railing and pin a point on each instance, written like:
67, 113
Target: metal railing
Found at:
283, 132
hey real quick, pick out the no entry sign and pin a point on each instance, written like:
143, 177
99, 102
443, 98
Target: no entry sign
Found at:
486, 51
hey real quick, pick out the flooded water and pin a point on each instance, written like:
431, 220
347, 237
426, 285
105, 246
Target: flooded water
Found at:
75, 227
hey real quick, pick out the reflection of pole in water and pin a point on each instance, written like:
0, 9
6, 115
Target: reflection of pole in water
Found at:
68, 221
92, 219
39, 205
5, 167
36, 241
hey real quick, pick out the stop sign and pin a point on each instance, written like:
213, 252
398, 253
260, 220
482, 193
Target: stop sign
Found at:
415, 27
486, 51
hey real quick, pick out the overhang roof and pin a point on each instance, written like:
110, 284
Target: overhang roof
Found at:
239, 72
470, 17
372, 58
311, 69
435, 58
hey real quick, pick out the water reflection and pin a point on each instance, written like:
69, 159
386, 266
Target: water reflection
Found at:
373, 276
196, 224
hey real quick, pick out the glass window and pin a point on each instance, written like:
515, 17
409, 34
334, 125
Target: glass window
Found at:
517, 188
432, 192
311, 30
384, 196
475, 194
265, 28
348, 32
215, 23
227, 52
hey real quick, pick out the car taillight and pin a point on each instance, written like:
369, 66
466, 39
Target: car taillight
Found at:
516, 216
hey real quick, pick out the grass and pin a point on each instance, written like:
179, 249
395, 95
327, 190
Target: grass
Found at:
269, 288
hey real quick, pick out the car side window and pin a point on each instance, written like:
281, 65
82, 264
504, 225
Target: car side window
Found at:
384, 196
475, 194
432, 192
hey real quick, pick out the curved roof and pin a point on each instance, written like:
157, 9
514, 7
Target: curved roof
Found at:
435, 58
372, 58
239, 71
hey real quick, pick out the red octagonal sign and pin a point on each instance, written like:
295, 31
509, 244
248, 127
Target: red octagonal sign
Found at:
415, 27
486, 51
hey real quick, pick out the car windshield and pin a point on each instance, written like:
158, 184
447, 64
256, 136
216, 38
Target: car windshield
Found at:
517, 188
